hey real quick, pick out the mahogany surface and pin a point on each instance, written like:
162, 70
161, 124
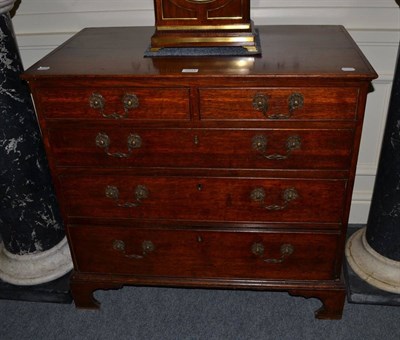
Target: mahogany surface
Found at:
222, 172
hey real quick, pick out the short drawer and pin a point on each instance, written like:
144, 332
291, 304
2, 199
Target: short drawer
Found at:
204, 198
278, 103
202, 148
204, 254
114, 103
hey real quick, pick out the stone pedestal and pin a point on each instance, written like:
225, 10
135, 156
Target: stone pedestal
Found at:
374, 251
34, 249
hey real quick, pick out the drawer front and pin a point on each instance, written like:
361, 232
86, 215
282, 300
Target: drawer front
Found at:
115, 104
205, 199
278, 104
245, 149
203, 254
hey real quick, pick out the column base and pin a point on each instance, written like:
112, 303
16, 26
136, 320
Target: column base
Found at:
33, 269
56, 291
371, 266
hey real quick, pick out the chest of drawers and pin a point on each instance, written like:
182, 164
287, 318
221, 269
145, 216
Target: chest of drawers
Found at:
218, 172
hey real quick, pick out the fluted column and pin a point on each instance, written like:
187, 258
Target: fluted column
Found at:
34, 248
374, 251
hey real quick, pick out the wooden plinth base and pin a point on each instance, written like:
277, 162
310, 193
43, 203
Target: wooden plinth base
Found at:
190, 38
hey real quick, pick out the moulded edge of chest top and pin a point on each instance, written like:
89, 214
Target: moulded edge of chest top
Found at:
198, 80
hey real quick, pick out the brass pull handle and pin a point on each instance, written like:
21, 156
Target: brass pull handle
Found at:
288, 195
141, 193
147, 247
260, 103
129, 101
295, 101
286, 250
259, 143
134, 141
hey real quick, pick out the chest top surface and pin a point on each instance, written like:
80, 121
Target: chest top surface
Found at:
289, 51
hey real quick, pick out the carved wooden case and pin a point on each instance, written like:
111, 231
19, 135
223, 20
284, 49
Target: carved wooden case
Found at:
182, 23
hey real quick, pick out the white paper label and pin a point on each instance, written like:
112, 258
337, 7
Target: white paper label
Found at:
190, 70
348, 69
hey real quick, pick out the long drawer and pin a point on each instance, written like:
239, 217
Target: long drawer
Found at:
203, 254
204, 198
114, 103
312, 103
215, 148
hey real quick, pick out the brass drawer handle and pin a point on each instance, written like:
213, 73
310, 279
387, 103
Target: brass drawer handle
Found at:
295, 101
141, 193
129, 101
147, 247
134, 141
286, 250
259, 143
260, 103
288, 195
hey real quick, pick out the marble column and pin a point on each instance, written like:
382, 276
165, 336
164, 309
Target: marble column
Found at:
33, 246
374, 251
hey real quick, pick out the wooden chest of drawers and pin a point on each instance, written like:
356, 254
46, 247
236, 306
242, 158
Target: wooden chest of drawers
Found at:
233, 172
